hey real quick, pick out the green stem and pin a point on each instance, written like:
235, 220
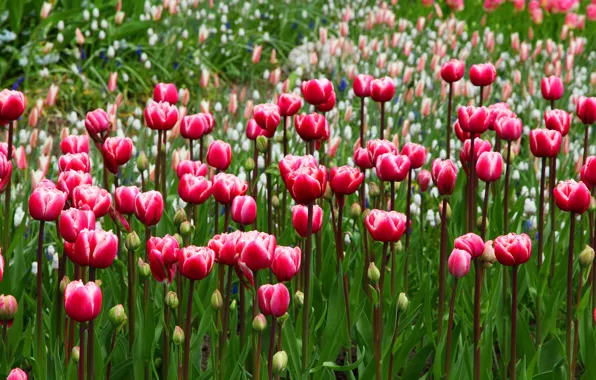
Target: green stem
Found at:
39, 314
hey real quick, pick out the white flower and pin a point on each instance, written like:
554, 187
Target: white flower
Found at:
34, 268
55, 261
86, 15
60, 25
59, 38
19, 214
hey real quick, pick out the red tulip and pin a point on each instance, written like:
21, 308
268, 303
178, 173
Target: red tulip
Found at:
219, 155
382, 90
385, 226
588, 172
498, 111
256, 249
97, 123
444, 174
289, 104
586, 110
572, 196
73, 221
75, 144
70, 179
513, 249
12, 105
286, 262
8, 309
196, 168
345, 180
161, 116
480, 146
92, 198
116, 151
74, 161
312, 126
195, 263
300, 219
362, 158
392, 167
274, 299
17, 374
551, 88
149, 207
3, 165
226, 187
459, 263
6, 176
328, 105
317, 91
290, 163
362, 85
244, 209
165, 92
224, 246
453, 70
96, 248
46, 204
167, 247
461, 134
1, 266
508, 128
557, 120
253, 130
423, 179
160, 270
416, 153
378, 147
82, 302
545, 142
193, 127
306, 183
267, 116
483, 74
473, 119
489, 166
470, 243
194, 189
125, 199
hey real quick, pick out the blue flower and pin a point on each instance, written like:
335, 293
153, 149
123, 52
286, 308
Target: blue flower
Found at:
343, 84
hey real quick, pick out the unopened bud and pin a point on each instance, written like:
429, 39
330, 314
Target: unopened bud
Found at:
280, 362
275, 201
402, 302
178, 239
178, 337
216, 300
186, 228
262, 144
448, 210
592, 203
586, 257
179, 217
172, 299
328, 195
259, 324
299, 298
64, 283
249, 164
98, 283
355, 210
399, 246
373, 190
142, 162
117, 316
233, 305
479, 222
373, 273
488, 255
132, 241
75, 354
281, 320
144, 269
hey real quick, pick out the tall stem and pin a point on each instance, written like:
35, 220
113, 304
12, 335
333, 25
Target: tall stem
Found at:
258, 362
132, 310
164, 172
255, 172
408, 230
393, 256
442, 261
393, 341
513, 323
269, 190
540, 242
271, 348
448, 148
188, 331
381, 288
576, 323
157, 170
586, 146
477, 300
201, 149
450, 328
340, 257
39, 314
306, 307
7, 215
112, 345
285, 193
471, 179
81, 351
570, 289
382, 129
226, 318
91, 338
507, 175
552, 180
166, 336
485, 210
362, 142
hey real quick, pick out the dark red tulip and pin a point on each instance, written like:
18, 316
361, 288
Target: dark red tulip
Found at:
453, 70
289, 104
482, 74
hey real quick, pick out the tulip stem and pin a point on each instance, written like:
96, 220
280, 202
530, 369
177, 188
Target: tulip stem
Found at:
364, 235
11, 127
570, 289
39, 315
91, 338
392, 347
586, 138
382, 129
513, 361
506, 205
471, 179
131, 300
201, 149
269, 190
540, 243
340, 257
112, 345
485, 210
408, 232
442, 257
190, 150
258, 356
157, 169
477, 300
81, 351
166, 335
226, 318
552, 180
576, 322
164, 174
285, 197
381, 288
255, 172
188, 331
449, 106
271, 348
450, 328
593, 272
392, 208
306, 306
362, 106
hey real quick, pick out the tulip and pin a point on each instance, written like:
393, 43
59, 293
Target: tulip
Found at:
416, 153
253, 130
498, 111
307, 183
345, 180
8, 309
423, 179
453, 70
588, 172
312, 126
479, 147
75, 144
551, 88
95, 248
12, 105
473, 119
74, 161
4, 166
290, 163
508, 128
196, 168
161, 271
571, 196
586, 110
73, 221
459, 263
194, 189
513, 249
116, 151
273, 299
256, 249
167, 247
489, 166
385, 226
97, 124
362, 159
286, 262
149, 207
545, 143
557, 120
300, 219
482, 75
17, 373
161, 116
193, 127
470, 243
267, 116
219, 155
378, 147
195, 263
392, 167
362, 85
82, 302
289, 104
125, 199
444, 175
46, 204
165, 92
382, 90
244, 210
317, 91
328, 105
93, 198
226, 187
224, 246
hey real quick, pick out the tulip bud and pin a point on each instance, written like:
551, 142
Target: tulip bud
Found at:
373, 190
328, 194
281, 320
98, 283
399, 247
299, 298
132, 241
373, 273
117, 316
178, 336
262, 144
479, 221
402, 302
142, 162
249, 164
355, 210
233, 305
259, 324
157, 362
275, 201
172, 299
216, 300
186, 228
179, 240
64, 283
179, 217
75, 354
280, 362
586, 257
144, 270
592, 204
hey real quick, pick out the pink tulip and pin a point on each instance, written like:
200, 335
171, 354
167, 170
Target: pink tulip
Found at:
588, 172
219, 155
444, 175
508, 128
161, 116
165, 92
12, 105
416, 153
361, 85
345, 180
317, 91
196, 168
480, 146
557, 120
253, 130
167, 246
378, 147
489, 166
513, 249
195, 263
572, 196
70, 179
586, 110
459, 263
149, 207
95, 248
470, 243
125, 199
227, 186
113, 82
306, 183
224, 246
46, 204
74, 161
385, 226
256, 249
75, 144
382, 90
482, 74
193, 127
17, 373
328, 105
8, 309
290, 163
312, 126
194, 189
92, 198
423, 179
300, 219
274, 299
73, 221
244, 209
545, 142
116, 151
551, 88
82, 302
289, 104
473, 119
453, 70
362, 159
161, 271
97, 123
267, 116
392, 167
286, 262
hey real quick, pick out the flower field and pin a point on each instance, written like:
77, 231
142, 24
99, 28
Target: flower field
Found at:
352, 189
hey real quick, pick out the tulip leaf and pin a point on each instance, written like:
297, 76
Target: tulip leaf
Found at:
338, 368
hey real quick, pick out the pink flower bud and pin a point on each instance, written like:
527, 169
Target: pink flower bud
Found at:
244, 209
453, 70
17, 373
513, 249
392, 167
345, 180
74, 161
361, 85
482, 74
82, 302
286, 262
289, 104
382, 90
489, 166
149, 207
165, 92
459, 263
195, 263
545, 142
586, 110
551, 88
116, 151
274, 299
194, 189
267, 116
73, 221
444, 175
300, 219
68, 180
312, 126
196, 168
193, 127
219, 155
12, 105
46, 204
97, 123
470, 243
125, 199
75, 144
8, 308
